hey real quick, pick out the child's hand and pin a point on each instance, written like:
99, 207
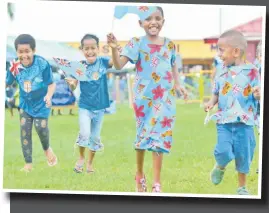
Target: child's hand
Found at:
256, 92
112, 41
208, 106
182, 91
47, 99
71, 82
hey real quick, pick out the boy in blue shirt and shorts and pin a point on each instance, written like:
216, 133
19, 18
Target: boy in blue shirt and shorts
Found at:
237, 91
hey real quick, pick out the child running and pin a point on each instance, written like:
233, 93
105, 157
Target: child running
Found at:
237, 91
92, 101
34, 77
155, 88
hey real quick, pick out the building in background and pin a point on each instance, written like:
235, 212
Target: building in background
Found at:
252, 31
191, 52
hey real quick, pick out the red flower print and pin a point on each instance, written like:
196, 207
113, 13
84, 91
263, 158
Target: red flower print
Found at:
252, 74
166, 122
167, 144
158, 92
138, 66
168, 77
154, 48
139, 111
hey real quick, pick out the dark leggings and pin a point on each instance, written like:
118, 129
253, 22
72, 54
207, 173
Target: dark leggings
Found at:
41, 126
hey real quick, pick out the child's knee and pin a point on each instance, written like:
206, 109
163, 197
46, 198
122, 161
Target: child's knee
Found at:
223, 156
83, 139
242, 166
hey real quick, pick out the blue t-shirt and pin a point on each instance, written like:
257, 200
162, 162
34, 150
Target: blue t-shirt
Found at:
94, 93
33, 82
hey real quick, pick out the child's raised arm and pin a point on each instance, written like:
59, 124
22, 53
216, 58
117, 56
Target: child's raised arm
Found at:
118, 62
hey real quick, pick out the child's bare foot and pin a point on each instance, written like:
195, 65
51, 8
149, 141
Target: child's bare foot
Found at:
89, 167
51, 157
27, 167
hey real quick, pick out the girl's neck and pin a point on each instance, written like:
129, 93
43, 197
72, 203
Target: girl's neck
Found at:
155, 39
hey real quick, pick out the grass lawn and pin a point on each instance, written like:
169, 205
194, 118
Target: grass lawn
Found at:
185, 170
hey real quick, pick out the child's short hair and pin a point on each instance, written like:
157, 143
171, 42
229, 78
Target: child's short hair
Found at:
161, 10
25, 39
235, 39
89, 36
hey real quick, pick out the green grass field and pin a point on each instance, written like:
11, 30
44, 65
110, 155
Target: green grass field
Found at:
185, 170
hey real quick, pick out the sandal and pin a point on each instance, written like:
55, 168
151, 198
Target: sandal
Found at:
156, 188
79, 167
141, 181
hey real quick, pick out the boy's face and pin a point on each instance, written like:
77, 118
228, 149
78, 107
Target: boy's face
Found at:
227, 53
153, 24
90, 50
25, 54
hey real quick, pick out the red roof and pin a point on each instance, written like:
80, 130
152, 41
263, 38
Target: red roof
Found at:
250, 30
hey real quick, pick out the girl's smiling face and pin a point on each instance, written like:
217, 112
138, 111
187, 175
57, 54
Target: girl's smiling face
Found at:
90, 50
153, 24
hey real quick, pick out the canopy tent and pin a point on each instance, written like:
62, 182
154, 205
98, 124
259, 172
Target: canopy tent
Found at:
48, 50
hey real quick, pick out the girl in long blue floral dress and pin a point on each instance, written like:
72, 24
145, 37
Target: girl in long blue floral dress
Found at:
154, 93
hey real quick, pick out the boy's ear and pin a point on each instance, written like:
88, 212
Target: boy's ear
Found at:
34, 51
238, 52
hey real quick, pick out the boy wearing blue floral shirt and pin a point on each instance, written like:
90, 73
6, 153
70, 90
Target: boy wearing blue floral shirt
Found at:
237, 91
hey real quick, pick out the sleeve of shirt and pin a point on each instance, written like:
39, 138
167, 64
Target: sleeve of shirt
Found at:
131, 50
215, 87
105, 61
9, 78
47, 75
